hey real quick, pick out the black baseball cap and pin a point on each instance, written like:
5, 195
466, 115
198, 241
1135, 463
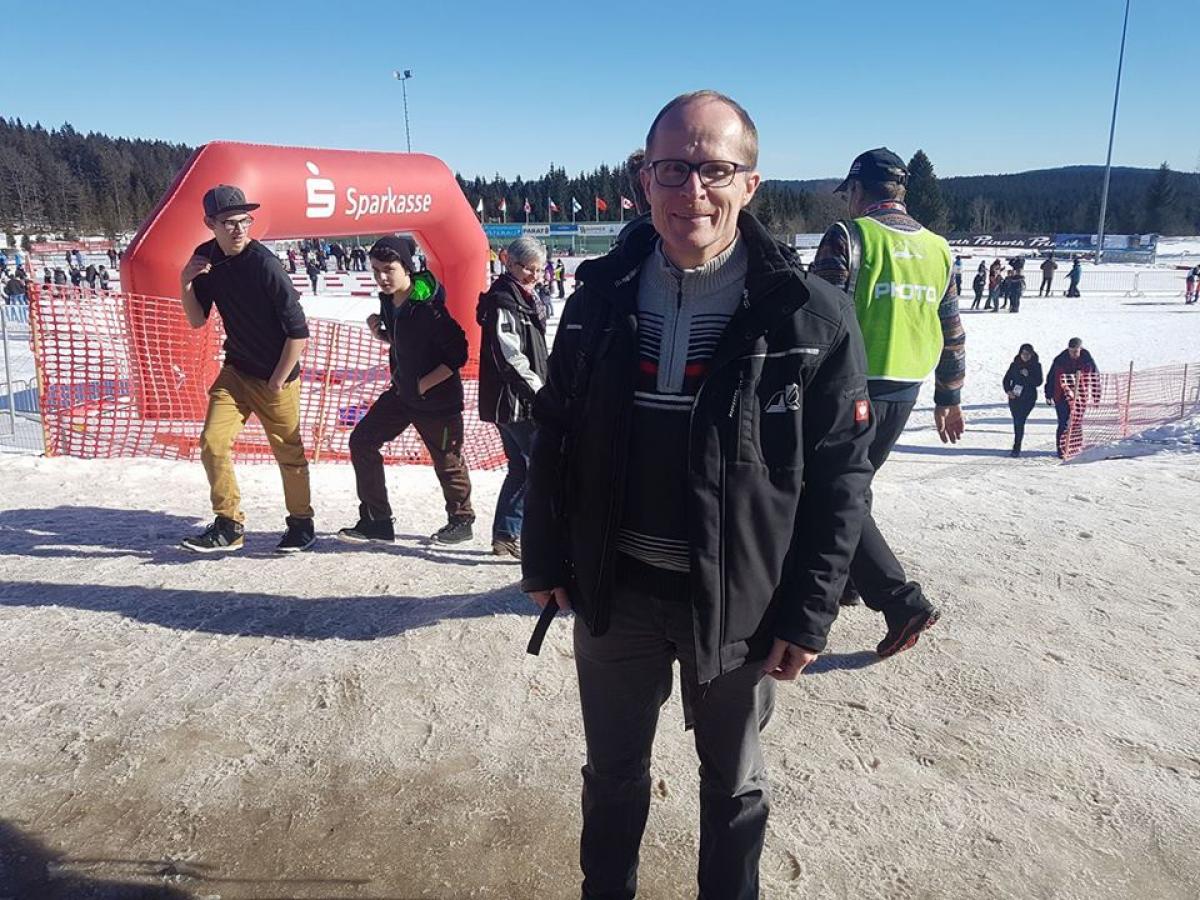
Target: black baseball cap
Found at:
400, 244
876, 167
225, 198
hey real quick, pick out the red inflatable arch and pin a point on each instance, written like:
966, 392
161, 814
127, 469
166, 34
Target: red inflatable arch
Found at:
304, 192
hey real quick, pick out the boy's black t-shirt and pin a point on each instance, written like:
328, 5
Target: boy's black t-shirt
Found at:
258, 304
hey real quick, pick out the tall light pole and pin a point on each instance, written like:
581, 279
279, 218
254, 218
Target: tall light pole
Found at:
403, 77
1112, 130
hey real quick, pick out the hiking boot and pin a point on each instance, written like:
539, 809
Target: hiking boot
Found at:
368, 530
904, 633
505, 546
456, 531
222, 536
299, 536
850, 596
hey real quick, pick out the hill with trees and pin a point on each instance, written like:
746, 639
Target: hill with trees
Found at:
59, 181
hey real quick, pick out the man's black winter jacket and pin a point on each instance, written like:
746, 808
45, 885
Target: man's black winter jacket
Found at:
777, 457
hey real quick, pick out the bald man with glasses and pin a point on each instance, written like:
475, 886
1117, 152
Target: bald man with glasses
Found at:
695, 491
265, 334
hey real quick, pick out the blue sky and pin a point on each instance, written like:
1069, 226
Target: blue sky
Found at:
982, 87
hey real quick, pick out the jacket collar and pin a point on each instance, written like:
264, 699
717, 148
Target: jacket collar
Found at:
767, 261
775, 285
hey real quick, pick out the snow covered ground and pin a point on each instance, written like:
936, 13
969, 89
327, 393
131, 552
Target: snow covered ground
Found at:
365, 723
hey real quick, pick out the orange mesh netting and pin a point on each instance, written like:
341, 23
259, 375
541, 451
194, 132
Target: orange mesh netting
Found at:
1110, 407
125, 375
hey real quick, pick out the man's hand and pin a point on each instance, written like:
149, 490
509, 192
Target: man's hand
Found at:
277, 384
950, 423
196, 266
558, 595
373, 323
786, 661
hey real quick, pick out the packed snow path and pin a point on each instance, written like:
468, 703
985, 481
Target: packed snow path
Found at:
364, 722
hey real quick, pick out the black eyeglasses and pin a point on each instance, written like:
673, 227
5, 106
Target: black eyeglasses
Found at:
673, 173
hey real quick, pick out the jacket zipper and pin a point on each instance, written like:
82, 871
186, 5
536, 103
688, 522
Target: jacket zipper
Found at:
722, 602
734, 404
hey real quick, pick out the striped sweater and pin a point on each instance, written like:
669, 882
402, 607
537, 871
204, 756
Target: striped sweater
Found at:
682, 315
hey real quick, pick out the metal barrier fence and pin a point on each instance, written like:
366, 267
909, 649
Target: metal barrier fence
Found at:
20, 425
1106, 280
1110, 407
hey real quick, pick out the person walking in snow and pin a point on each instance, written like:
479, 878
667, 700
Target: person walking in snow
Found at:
1020, 383
427, 349
1074, 276
1070, 383
1049, 266
512, 369
898, 274
265, 336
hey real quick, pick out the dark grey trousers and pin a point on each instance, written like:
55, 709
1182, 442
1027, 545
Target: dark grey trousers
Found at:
624, 679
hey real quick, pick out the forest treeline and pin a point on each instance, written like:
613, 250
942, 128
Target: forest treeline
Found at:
60, 181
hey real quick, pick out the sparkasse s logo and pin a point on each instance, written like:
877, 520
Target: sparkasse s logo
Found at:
322, 196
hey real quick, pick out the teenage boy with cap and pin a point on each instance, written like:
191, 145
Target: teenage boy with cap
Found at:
899, 275
265, 334
427, 349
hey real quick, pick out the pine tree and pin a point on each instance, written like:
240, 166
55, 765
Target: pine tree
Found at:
1160, 202
924, 197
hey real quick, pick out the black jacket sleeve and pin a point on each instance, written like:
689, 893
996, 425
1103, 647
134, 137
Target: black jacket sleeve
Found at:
544, 562
449, 336
837, 474
278, 286
1010, 378
1051, 377
1035, 375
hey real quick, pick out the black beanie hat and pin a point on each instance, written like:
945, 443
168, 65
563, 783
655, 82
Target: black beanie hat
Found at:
402, 245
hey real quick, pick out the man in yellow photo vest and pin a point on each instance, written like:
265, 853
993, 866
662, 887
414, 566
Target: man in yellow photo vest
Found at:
899, 275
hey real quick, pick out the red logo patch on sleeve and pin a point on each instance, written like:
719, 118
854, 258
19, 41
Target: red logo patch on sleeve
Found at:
862, 411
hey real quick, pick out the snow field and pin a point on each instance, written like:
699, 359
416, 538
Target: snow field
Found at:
364, 722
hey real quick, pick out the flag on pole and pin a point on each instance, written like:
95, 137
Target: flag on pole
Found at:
503, 209
575, 207
479, 207
553, 207
601, 206
626, 203
528, 208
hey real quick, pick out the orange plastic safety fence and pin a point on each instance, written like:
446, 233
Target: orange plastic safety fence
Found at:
125, 375
1109, 407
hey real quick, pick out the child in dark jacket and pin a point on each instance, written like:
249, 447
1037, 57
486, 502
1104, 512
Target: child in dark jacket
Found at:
1021, 381
427, 349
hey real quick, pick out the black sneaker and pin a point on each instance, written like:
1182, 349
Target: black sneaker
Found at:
905, 633
222, 536
299, 536
368, 530
506, 546
453, 532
